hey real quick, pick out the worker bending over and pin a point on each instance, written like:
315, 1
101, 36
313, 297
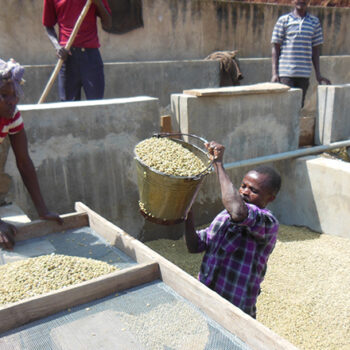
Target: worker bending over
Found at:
11, 123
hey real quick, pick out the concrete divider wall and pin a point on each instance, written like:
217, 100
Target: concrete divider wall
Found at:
83, 151
315, 193
173, 30
248, 125
333, 122
158, 79
334, 68
163, 78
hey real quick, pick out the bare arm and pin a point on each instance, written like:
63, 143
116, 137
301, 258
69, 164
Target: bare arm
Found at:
276, 51
316, 63
191, 237
230, 196
61, 52
26, 169
106, 19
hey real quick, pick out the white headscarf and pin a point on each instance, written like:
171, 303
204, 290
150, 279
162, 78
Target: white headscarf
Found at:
11, 70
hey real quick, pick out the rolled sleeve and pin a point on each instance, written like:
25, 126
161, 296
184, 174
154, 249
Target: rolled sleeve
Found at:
260, 221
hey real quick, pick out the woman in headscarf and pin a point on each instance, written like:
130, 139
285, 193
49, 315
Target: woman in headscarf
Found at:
11, 124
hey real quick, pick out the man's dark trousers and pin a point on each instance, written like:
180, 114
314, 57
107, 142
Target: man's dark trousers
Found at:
82, 69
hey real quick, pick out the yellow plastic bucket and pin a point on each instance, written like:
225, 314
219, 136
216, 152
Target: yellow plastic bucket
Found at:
166, 199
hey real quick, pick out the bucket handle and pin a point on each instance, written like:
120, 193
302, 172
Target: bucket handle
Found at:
168, 134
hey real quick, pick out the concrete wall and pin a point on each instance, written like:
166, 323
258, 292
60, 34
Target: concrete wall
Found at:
315, 193
158, 79
248, 125
333, 122
335, 68
83, 151
173, 30
163, 78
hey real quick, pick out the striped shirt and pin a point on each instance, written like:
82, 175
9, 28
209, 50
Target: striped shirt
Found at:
11, 126
296, 36
236, 254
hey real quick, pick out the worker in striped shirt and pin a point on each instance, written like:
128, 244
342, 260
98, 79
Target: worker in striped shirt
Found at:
296, 41
238, 242
11, 123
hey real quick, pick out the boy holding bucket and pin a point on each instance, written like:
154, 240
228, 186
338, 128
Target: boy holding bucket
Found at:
11, 123
239, 240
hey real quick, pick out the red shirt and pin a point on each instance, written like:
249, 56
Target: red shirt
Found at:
66, 13
11, 126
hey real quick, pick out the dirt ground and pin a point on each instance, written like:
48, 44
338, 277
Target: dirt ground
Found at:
305, 294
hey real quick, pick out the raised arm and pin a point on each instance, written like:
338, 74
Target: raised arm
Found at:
230, 196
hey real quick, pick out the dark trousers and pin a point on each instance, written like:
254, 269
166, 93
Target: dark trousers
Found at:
301, 83
82, 69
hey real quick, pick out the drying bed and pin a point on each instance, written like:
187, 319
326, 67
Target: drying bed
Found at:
149, 303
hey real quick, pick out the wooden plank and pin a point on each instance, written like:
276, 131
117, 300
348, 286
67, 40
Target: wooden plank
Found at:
252, 332
165, 124
22, 312
261, 88
39, 228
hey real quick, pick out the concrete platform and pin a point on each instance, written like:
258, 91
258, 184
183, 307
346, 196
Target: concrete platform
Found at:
333, 122
249, 125
315, 193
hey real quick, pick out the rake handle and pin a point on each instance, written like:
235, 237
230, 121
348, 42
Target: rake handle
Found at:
67, 47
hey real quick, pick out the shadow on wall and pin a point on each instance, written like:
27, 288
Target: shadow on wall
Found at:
295, 204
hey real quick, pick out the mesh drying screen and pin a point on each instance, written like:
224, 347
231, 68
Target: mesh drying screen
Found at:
82, 242
151, 316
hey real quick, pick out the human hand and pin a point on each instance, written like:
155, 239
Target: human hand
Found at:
275, 78
7, 235
62, 53
323, 81
52, 217
215, 150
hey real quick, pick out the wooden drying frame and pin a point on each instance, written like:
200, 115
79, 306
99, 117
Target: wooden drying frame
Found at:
151, 266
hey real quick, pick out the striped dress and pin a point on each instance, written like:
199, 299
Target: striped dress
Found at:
11, 126
297, 36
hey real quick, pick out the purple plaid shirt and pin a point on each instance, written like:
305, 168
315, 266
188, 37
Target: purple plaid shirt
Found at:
236, 255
